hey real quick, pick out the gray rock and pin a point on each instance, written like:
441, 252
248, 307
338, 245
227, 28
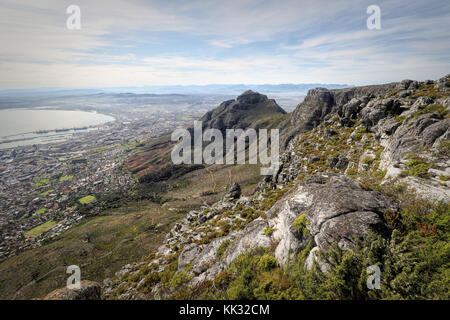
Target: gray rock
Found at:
234, 191
443, 84
89, 290
338, 210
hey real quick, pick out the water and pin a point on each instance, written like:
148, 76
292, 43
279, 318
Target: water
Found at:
20, 127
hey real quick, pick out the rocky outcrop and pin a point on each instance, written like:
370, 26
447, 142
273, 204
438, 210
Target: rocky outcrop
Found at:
320, 103
241, 113
336, 209
89, 290
234, 191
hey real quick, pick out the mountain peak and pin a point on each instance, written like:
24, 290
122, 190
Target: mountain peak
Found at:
251, 97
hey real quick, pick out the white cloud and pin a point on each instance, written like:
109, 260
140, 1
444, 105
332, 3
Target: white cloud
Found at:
328, 42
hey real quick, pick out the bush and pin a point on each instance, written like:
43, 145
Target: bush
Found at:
418, 167
300, 224
268, 231
267, 263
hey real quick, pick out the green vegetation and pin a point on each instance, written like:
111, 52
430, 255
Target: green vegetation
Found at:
358, 134
41, 211
432, 108
428, 90
400, 118
418, 167
444, 147
414, 263
300, 224
101, 245
87, 199
268, 231
223, 246
43, 194
37, 231
41, 183
65, 178
267, 262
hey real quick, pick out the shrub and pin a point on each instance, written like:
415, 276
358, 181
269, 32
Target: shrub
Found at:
268, 231
223, 246
300, 224
418, 167
267, 262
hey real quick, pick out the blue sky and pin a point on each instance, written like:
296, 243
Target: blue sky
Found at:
137, 43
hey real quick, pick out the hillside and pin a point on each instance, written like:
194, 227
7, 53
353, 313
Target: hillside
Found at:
363, 181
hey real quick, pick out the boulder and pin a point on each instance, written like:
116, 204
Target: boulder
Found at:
234, 191
89, 290
337, 210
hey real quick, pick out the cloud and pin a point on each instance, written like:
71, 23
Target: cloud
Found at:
139, 42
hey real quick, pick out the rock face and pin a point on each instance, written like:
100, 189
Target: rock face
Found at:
234, 191
89, 290
241, 113
443, 84
320, 103
337, 210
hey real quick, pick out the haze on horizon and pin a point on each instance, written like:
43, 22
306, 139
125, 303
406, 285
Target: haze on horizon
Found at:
142, 43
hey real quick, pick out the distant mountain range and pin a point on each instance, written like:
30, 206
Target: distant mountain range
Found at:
182, 89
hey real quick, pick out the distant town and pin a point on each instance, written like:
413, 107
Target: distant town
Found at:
38, 182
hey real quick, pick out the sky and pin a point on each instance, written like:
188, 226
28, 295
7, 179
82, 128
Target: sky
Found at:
181, 42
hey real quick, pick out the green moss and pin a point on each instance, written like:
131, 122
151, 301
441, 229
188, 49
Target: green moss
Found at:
46, 192
368, 160
400, 118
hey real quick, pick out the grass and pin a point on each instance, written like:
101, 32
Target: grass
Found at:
46, 192
223, 246
103, 244
87, 199
35, 232
100, 246
432, 108
65, 178
41, 211
41, 183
